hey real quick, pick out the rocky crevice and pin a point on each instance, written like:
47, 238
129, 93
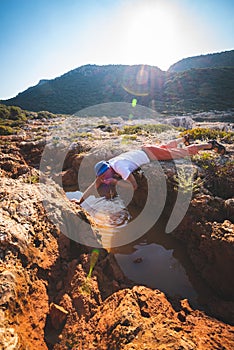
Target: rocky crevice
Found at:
43, 302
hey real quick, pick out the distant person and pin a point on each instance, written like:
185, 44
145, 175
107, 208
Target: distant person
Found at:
122, 166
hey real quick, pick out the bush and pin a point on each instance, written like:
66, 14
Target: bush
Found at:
144, 128
11, 119
4, 112
209, 134
45, 115
130, 130
6, 130
15, 112
127, 138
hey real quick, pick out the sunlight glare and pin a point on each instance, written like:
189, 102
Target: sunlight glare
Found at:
150, 29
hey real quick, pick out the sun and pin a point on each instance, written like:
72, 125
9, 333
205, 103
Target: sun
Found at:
150, 32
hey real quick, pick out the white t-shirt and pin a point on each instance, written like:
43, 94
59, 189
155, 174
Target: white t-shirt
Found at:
127, 162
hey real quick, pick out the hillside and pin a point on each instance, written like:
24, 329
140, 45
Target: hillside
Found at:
221, 59
193, 90
206, 88
89, 85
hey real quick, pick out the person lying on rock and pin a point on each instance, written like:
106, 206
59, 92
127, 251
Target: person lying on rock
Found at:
122, 166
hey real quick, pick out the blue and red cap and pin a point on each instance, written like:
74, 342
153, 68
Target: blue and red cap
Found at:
101, 167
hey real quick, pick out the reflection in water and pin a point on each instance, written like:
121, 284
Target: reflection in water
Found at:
160, 261
156, 259
157, 269
108, 215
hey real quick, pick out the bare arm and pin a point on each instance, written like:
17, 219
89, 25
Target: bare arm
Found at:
131, 179
90, 190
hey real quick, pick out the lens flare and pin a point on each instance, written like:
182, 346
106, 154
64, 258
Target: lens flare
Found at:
136, 80
134, 102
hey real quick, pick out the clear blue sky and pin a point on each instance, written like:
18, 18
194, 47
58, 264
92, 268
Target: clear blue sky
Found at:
43, 39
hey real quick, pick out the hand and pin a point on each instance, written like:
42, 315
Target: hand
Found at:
76, 201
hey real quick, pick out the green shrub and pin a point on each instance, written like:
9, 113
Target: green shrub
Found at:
4, 112
33, 179
16, 113
16, 123
211, 163
226, 170
129, 138
6, 130
130, 130
205, 160
209, 134
45, 115
144, 128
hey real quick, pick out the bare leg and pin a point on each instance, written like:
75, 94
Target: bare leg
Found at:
173, 143
203, 146
166, 152
180, 140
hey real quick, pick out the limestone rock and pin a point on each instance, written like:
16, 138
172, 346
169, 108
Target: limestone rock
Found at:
43, 266
140, 318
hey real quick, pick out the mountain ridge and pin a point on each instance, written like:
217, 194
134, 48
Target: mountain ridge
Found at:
194, 89
219, 59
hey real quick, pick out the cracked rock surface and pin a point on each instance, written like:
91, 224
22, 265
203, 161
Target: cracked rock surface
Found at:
46, 301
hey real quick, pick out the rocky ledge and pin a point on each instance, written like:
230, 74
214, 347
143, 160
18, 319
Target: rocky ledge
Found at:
46, 301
